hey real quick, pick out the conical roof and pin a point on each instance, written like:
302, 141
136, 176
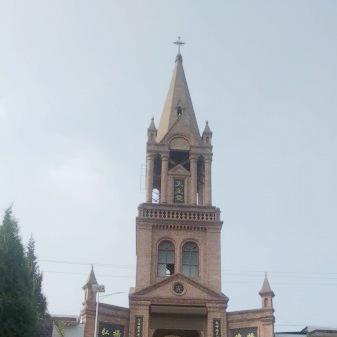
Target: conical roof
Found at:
178, 102
152, 125
91, 279
207, 129
266, 288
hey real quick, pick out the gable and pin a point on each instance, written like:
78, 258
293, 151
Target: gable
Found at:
179, 170
183, 126
170, 288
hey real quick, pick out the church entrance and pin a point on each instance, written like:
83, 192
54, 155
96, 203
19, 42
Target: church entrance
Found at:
175, 333
181, 321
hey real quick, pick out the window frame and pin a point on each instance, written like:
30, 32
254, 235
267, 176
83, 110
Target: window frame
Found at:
190, 265
163, 241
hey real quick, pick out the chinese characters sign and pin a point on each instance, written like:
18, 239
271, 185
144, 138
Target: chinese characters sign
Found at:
244, 332
179, 190
110, 330
139, 326
216, 328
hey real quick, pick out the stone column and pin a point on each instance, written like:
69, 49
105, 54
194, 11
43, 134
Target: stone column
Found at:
208, 181
149, 176
163, 183
216, 320
139, 309
201, 194
194, 182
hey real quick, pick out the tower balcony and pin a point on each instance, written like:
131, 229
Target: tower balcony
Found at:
173, 212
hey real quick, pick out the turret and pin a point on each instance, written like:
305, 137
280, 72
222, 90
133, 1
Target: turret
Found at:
207, 135
151, 132
89, 295
266, 294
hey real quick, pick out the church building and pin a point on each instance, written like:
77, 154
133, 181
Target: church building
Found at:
178, 242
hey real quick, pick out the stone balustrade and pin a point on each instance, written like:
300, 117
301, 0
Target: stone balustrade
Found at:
157, 211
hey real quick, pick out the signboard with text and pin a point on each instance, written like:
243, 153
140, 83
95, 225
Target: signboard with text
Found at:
110, 330
139, 326
216, 328
244, 332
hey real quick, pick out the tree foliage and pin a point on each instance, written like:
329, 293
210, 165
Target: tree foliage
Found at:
36, 278
21, 299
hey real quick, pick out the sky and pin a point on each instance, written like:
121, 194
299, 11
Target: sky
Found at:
79, 83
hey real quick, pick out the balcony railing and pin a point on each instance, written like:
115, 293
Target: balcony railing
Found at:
151, 211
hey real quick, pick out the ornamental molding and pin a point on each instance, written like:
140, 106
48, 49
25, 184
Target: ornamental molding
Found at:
178, 288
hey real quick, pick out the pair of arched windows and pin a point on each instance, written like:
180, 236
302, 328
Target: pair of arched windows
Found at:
189, 261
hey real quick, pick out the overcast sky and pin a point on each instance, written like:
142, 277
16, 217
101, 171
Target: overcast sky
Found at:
79, 83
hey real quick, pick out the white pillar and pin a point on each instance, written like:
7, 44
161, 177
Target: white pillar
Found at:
163, 183
194, 182
149, 176
208, 181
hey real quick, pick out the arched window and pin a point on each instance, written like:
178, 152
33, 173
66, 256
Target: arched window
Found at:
190, 260
165, 259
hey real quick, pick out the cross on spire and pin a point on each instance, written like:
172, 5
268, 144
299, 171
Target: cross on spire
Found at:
179, 43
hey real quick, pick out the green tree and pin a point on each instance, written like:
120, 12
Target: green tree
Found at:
36, 278
18, 314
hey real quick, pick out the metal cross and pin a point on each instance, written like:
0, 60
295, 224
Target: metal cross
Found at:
179, 43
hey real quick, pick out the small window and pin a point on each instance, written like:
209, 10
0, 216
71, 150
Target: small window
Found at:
165, 259
190, 259
179, 111
155, 196
179, 191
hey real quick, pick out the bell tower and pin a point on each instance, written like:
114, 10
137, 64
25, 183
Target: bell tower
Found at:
178, 229
178, 276
177, 291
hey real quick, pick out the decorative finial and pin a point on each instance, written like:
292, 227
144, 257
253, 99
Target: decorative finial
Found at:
179, 43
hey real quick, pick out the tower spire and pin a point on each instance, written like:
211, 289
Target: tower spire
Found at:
91, 279
266, 293
178, 104
266, 288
